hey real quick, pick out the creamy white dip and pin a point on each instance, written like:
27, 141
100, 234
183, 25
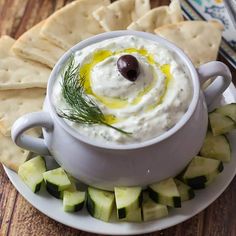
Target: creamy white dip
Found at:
148, 107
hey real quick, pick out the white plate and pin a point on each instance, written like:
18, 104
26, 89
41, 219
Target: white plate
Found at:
52, 207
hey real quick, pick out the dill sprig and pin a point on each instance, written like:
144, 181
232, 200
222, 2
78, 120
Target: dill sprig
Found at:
82, 109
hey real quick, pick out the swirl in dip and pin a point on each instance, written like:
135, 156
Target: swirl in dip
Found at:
147, 107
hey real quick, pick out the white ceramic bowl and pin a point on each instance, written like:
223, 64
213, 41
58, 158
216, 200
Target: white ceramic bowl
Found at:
109, 165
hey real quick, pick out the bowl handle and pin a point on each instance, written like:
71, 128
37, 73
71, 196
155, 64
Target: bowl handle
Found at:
35, 119
221, 79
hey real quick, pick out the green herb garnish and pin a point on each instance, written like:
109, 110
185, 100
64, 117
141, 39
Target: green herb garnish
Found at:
83, 110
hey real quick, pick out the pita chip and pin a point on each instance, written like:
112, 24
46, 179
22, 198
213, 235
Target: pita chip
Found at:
157, 17
33, 47
200, 40
73, 23
11, 155
18, 73
120, 14
15, 103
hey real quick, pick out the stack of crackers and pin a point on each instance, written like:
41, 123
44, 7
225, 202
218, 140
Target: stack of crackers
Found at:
26, 63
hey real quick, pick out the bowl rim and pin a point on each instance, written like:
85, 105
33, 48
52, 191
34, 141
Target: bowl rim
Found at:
114, 34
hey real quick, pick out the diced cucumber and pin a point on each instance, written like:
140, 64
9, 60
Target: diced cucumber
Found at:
228, 110
216, 147
100, 203
152, 210
128, 203
185, 191
59, 194
211, 178
134, 215
31, 172
201, 171
55, 193
165, 192
220, 124
73, 201
57, 180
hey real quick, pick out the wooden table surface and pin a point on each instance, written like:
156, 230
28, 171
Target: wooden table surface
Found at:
19, 218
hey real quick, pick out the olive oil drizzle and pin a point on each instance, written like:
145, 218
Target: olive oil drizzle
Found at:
117, 103
82, 109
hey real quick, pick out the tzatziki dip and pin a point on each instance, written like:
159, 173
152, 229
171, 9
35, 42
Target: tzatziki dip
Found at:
139, 86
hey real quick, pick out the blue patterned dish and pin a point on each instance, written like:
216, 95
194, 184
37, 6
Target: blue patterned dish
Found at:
214, 9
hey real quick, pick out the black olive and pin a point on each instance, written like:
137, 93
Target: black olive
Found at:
128, 66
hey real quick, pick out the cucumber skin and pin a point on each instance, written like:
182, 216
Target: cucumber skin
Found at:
54, 193
145, 214
196, 182
153, 195
156, 198
52, 186
220, 167
53, 190
140, 199
126, 217
199, 182
79, 206
177, 202
191, 194
38, 187
76, 208
90, 205
121, 213
190, 191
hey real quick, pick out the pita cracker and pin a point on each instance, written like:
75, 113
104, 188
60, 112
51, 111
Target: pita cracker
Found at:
18, 73
11, 155
200, 40
15, 103
33, 47
157, 17
73, 23
120, 14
